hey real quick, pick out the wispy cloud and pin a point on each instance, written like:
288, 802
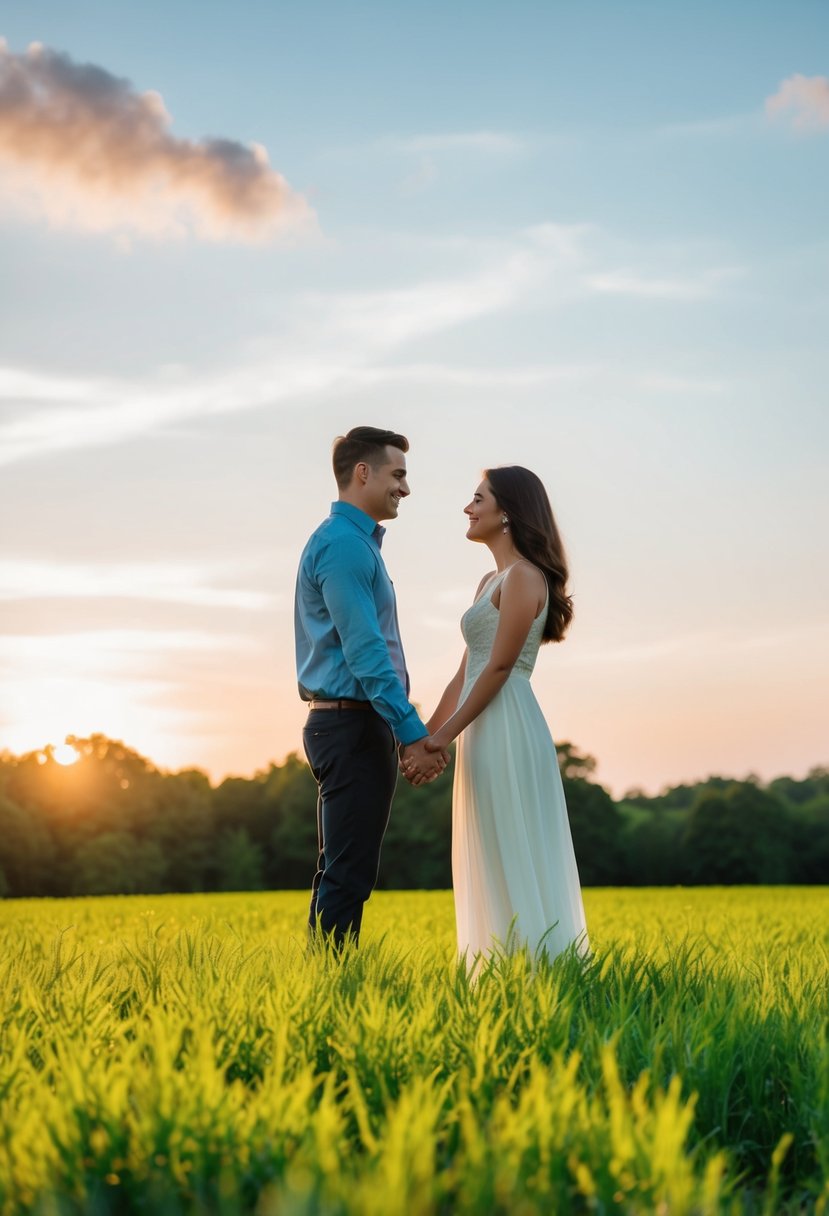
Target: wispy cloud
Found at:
426, 155
482, 376
93, 651
130, 683
174, 584
719, 127
87, 150
686, 287
335, 340
488, 142
389, 318
722, 643
803, 100
340, 341
18, 384
663, 382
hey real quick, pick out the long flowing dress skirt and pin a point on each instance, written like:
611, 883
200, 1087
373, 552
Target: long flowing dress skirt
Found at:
513, 866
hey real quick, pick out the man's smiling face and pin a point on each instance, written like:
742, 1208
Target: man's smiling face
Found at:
386, 485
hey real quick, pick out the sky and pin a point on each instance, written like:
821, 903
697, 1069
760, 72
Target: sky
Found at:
590, 239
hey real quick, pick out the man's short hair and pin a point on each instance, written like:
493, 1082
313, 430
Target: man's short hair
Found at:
363, 444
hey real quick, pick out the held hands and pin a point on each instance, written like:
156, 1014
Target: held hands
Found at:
422, 761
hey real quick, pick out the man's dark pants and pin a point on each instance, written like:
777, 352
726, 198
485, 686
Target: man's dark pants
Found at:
353, 756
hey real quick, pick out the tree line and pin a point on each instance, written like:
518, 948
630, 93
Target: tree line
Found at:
114, 823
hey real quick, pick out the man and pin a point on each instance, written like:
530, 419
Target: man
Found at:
351, 670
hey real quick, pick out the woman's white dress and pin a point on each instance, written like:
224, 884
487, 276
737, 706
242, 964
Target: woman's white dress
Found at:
513, 867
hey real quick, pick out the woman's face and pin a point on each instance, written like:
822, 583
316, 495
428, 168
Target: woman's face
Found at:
484, 514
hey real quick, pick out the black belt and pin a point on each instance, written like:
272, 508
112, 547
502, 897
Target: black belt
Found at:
342, 703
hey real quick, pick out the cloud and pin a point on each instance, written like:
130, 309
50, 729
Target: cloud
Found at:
482, 376
421, 177
340, 341
804, 99
335, 340
696, 286
662, 382
711, 642
721, 127
132, 683
174, 584
92, 651
427, 154
488, 142
83, 148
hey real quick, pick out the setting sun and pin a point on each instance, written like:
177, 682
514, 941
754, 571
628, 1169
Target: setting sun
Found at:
65, 754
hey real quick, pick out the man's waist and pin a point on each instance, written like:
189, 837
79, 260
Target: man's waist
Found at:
338, 703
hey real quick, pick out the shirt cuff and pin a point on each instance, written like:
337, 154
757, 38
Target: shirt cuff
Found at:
410, 729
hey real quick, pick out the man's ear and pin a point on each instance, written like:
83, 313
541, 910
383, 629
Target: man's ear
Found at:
361, 470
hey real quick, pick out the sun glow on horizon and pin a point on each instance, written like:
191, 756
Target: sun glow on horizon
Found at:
64, 754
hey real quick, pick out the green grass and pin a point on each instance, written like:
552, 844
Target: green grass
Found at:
181, 1054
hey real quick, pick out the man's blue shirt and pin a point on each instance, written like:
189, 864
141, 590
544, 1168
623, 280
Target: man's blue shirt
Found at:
345, 619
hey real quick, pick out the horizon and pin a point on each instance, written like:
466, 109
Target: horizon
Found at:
594, 245
66, 755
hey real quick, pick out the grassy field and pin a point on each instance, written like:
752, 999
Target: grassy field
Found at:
181, 1054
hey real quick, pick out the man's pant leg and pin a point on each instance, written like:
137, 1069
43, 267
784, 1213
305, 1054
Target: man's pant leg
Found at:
353, 757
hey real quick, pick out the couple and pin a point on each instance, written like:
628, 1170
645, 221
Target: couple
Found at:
513, 869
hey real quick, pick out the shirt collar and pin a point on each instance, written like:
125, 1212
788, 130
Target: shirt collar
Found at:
364, 522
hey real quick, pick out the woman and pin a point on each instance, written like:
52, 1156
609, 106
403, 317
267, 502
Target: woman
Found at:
513, 867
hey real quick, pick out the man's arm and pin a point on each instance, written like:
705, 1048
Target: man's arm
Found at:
345, 572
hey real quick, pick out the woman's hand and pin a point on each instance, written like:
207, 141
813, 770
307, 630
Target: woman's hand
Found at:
419, 763
438, 742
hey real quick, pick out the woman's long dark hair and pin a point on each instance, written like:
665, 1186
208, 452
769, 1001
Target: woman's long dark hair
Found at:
522, 497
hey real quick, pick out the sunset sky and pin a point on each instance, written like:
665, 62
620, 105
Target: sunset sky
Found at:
591, 239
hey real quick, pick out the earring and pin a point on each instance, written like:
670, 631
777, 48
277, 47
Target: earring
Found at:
505, 522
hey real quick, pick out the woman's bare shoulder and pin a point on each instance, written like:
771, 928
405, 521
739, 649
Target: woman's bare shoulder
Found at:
525, 574
525, 582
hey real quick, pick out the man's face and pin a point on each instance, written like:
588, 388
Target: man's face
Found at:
385, 486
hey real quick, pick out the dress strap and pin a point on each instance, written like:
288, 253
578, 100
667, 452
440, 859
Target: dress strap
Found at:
492, 582
489, 585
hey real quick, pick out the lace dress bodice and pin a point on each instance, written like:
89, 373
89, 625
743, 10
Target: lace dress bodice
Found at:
479, 624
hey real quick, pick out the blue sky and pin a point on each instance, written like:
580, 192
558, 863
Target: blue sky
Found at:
581, 238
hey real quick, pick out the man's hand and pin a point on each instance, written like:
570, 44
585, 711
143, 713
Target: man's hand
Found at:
419, 764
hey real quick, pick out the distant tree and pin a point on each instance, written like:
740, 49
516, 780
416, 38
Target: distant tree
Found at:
636, 796
183, 828
113, 822
417, 849
798, 793
241, 862
239, 802
810, 832
740, 836
290, 804
111, 786
651, 847
115, 863
596, 827
573, 764
678, 797
25, 849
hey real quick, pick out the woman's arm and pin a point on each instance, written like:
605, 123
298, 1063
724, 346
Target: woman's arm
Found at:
451, 694
448, 702
520, 593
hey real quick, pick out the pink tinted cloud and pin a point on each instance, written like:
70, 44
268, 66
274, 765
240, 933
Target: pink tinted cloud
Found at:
87, 150
805, 99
